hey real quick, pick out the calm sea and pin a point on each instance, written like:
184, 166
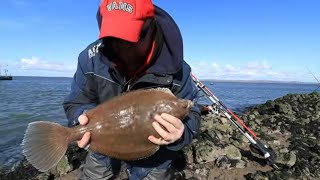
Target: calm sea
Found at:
27, 99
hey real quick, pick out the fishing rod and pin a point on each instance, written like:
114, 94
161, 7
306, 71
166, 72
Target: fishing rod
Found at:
256, 145
315, 78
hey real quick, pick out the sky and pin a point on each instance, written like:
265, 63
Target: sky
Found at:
275, 40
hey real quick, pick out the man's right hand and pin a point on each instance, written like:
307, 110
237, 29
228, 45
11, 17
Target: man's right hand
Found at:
83, 120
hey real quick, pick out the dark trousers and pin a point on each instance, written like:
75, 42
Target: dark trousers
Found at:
100, 167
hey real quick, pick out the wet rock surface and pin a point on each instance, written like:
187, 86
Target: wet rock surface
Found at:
290, 125
69, 163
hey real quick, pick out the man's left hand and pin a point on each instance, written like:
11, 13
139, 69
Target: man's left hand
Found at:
168, 127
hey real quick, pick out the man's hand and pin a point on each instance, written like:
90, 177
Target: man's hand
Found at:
169, 128
83, 120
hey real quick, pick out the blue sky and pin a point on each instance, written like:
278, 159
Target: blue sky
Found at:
223, 39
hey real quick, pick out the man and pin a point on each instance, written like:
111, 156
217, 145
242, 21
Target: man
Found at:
139, 46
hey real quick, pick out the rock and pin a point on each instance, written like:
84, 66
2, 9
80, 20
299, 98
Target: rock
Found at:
241, 164
288, 159
206, 152
202, 172
189, 155
284, 108
62, 168
277, 142
232, 152
188, 174
223, 162
257, 176
251, 117
224, 120
42, 176
304, 121
224, 128
284, 150
256, 113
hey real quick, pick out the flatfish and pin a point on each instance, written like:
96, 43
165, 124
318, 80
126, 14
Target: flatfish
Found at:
119, 128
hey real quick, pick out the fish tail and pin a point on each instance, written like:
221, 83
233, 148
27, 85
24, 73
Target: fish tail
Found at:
44, 144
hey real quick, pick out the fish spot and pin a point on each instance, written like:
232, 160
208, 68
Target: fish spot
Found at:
99, 126
83, 129
126, 117
163, 107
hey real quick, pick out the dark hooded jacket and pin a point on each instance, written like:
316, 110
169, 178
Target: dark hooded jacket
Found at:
97, 80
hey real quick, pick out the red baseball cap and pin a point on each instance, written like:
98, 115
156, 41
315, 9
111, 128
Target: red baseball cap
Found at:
124, 19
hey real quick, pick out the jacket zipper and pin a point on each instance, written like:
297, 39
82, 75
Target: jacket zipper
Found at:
127, 84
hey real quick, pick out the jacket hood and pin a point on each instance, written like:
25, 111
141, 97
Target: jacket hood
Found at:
170, 58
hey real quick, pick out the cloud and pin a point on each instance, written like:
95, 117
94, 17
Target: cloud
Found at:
254, 70
36, 64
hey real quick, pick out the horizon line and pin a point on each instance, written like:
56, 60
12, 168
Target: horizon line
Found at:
211, 80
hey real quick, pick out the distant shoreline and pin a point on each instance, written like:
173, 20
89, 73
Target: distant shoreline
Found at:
259, 81
211, 80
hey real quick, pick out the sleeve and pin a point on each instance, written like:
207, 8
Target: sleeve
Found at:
188, 90
82, 95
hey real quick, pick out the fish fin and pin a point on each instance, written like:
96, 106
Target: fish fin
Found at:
150, 153
44, 144
166, 90
138, 156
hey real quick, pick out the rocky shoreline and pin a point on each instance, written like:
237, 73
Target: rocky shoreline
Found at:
290, 125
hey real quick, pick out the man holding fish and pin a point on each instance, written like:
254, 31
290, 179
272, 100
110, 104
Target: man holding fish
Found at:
139, 47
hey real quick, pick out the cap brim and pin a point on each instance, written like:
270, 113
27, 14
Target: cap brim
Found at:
126, 30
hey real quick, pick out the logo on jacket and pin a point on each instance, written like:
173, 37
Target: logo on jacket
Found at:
123, 6
94, 50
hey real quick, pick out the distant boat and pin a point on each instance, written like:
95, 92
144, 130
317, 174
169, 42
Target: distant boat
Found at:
5, 76
211, 83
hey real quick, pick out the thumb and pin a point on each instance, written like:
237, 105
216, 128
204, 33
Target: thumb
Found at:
83, 119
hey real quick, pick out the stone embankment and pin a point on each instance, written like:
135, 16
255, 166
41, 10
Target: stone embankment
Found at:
290, 125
